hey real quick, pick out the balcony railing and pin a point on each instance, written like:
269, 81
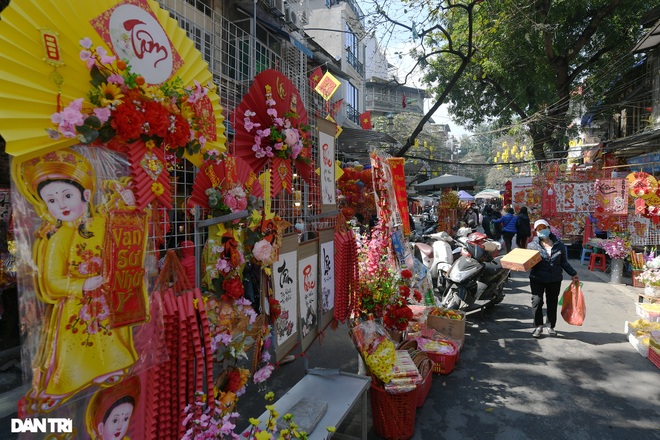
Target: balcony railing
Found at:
352, 114
353, 61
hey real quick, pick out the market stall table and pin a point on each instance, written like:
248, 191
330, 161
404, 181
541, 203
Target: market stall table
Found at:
340, 390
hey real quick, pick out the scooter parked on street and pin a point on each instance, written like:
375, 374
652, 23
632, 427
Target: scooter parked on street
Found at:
436, 254
476, 279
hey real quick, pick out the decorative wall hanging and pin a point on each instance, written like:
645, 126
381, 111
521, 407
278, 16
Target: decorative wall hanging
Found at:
148, 79
89, 268
271, 130
611, 196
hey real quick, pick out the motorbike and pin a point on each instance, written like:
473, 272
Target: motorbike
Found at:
436, 254
476, 279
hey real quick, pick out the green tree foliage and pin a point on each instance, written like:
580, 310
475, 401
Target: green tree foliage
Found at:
533, 59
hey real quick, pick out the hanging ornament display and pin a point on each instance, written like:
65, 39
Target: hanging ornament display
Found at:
641, 184
272, 131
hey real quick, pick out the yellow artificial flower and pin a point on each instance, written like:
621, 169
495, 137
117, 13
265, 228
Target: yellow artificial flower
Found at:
254, 422
263, 435
110, 94
155, 93
187, 111
331, 428
269, 396
150, 144
157, 189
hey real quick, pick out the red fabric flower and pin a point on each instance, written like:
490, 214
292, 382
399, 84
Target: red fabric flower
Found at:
275, 308
158, 118
404, 291
233, 287
178, 132
127, 121
417, 295
397, 317
406, 274
234, 381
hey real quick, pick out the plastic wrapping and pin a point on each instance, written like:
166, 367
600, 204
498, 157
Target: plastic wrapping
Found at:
82, 261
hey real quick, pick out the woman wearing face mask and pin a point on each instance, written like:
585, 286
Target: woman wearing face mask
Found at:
546, 276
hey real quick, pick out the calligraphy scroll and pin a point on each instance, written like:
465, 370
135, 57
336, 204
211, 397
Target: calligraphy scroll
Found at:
125, 248
285, 290
399, 185
611, 196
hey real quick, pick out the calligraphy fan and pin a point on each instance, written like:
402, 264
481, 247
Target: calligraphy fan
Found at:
287, 99
224, 174
41, 71
641, 184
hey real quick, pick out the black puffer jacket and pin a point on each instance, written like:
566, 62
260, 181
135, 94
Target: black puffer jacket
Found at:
549, 269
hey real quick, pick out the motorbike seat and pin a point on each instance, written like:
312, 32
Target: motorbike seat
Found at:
425, 249
492, 268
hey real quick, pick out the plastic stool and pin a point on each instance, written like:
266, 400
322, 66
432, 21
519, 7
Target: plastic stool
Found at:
597, 261
585, 253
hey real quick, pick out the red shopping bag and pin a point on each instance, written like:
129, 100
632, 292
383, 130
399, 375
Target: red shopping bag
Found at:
573, 309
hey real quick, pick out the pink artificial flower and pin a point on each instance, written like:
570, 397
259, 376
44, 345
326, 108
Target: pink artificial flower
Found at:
223, 266
116, 79
296, 150
103, 113
85, 55
272, 112
262, 251
291, 136
263, 373
86, 42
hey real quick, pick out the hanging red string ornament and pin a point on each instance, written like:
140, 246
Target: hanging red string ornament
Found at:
151, 181
271, 130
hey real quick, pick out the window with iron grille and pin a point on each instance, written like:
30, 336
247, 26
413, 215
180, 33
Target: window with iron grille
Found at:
203, 40
352, 49
352, 103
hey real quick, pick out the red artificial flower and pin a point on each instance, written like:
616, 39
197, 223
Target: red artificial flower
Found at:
234, 381
417, 295
406, 274
233, 287
127, 121
397, 317
178, 132
275, 308
158, 118
404, 291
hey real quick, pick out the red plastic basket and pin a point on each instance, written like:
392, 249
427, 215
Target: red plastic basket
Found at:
444, 363
654, 357
393, 414
426, 370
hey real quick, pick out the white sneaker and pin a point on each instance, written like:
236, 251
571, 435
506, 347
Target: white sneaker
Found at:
551, 331
537, 331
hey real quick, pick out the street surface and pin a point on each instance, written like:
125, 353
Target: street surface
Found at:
586, 383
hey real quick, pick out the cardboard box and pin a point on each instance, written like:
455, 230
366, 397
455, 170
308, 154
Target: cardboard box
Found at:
453, 329
520, 259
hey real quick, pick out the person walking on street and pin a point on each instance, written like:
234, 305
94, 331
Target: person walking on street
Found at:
523, 228
485, 222
508, 222
471, 217
546, 276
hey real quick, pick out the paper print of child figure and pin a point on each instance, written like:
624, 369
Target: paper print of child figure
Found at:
109, 413
82, 341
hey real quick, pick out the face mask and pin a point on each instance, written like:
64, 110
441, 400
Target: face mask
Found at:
543, 233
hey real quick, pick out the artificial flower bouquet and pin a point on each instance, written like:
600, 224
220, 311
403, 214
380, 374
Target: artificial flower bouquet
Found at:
650, 276
375, 347
616, 247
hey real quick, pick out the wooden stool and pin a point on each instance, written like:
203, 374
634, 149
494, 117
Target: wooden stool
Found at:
597, 261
